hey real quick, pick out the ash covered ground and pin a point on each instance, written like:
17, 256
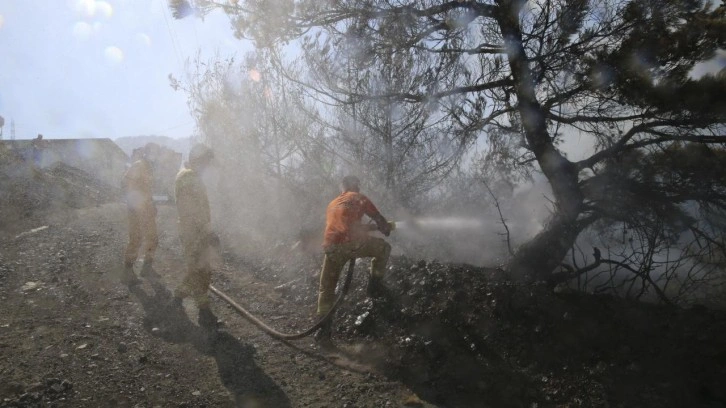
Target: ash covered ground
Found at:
448, 335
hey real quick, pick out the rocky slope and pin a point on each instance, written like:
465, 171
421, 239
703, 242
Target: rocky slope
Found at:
446, 335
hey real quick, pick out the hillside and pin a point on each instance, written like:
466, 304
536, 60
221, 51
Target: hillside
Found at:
448, 335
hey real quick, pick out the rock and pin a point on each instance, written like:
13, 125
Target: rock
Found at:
360, 319
28, 286
412, 401
34, 387
32, 396
11, 388
122, 347
51, 381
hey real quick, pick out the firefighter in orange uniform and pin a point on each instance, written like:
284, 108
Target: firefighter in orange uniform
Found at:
346, 238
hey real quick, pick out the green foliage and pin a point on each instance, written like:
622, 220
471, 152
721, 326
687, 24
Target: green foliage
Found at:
650, 67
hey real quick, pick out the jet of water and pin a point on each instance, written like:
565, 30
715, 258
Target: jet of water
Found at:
441, 223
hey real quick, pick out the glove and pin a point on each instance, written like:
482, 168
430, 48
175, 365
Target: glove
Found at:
384, 226
213, 240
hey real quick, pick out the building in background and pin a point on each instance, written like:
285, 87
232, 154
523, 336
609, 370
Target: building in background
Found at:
101, 158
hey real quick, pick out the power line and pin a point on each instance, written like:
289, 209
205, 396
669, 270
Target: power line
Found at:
173, 38
177, 51
189, 122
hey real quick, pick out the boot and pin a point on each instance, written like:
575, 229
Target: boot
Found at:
147, 270
323, 337
207, 319
128, 277
376, 289
176, 302
175, 317
208, 324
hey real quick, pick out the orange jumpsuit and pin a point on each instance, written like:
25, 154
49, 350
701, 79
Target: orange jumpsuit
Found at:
346, 238
137, 183
194, 230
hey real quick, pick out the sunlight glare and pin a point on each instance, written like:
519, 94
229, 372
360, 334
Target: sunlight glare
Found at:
255, 75
104, 8
82, 30
87, 8
94, 8
114, 54
143, 39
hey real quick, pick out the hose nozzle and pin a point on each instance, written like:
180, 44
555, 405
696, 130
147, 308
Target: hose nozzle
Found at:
374, 227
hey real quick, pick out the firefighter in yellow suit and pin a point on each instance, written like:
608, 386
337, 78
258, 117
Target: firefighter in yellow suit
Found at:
199, 242
137, 187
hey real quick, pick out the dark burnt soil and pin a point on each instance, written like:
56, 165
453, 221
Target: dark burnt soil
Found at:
459, 339
72, 336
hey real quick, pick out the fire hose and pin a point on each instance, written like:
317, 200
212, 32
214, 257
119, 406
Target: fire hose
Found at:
290, 336
295, 336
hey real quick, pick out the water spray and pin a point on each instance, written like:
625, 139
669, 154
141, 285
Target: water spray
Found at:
434, 223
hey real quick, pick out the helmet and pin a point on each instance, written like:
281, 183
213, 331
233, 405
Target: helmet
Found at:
200, 153
151, 149
351, 183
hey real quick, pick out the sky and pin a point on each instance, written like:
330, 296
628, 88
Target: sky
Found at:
89, 68
99, 68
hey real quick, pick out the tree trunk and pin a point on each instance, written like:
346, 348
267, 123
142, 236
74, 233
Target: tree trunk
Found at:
538, 258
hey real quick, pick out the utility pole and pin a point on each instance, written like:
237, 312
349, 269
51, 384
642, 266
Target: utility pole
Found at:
12, 129
2, 125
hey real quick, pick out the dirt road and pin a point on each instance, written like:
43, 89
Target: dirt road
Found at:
72, 335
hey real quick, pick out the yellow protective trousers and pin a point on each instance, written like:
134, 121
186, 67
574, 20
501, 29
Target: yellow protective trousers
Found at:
142, 229
198, 255
337, 255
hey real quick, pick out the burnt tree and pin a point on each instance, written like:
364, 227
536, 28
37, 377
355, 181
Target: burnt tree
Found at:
618, 73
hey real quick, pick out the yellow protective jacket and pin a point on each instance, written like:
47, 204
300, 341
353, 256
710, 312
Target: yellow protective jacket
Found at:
137, 184
193, 208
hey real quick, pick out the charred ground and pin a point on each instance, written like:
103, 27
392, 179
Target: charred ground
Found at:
448, 335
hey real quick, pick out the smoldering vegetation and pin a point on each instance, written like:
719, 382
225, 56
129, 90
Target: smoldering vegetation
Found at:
553, 168
534, 166
460, 336
276, 169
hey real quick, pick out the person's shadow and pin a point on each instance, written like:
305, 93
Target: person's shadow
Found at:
249, 384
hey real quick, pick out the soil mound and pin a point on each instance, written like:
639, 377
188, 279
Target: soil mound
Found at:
459, 338
29, 190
